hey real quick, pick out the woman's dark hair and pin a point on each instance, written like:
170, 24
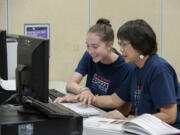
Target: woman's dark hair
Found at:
141, 36
103, 29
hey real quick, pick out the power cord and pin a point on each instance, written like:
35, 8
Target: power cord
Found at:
9, 99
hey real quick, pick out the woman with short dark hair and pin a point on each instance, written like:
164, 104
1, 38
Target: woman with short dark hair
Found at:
153, 86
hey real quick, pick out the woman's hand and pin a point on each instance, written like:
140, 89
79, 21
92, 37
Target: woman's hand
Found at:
71, 99
86, 97
115, 114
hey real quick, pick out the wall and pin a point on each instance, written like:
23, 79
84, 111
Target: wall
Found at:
68, 27
2, 14
171, 33
69, 23
120, 11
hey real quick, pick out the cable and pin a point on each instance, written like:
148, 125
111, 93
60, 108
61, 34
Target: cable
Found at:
10, 98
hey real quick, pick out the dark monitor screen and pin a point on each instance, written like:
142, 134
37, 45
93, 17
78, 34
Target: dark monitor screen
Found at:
32, 73
3, 56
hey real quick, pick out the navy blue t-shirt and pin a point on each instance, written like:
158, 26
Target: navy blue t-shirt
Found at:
103, 79
152, 87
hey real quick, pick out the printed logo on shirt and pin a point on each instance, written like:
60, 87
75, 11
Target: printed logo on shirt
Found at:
99, 85
137, 95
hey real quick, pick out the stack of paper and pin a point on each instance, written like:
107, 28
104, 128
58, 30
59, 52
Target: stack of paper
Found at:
8, 84
101, 126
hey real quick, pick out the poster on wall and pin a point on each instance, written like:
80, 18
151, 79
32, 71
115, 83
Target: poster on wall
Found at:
41, 30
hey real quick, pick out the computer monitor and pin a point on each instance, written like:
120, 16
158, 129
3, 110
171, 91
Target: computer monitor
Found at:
3, 56
8, 55
32, 72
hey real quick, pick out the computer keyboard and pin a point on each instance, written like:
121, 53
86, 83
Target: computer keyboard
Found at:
52, 110
53, 94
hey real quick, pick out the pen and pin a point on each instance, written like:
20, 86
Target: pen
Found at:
85, 116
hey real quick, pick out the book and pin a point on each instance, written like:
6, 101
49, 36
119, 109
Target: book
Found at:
145, 124
83, 109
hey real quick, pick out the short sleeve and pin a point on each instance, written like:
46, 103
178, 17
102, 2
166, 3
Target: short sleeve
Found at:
82, 67
124, 90
163, 89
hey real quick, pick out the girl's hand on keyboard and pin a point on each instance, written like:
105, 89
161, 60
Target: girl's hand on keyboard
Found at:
71, 99
86, 97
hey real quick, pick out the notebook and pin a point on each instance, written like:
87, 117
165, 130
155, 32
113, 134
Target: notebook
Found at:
8, 84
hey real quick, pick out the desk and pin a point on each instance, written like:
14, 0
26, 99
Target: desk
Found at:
60, 85
12, 122
45, 123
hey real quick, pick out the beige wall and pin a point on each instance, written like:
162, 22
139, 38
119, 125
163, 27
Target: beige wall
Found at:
68, 21
68, 25
171, 33
120, 11
2, 14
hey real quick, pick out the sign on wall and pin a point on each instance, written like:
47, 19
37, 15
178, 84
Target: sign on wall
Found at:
41, 30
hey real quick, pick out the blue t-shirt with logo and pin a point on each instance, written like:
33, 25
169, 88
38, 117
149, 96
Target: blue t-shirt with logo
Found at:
103, 79
152, 87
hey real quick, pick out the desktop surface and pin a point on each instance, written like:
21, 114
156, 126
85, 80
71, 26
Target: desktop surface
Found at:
10, 115
11, 121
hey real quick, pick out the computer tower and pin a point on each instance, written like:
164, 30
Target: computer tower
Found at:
14, 123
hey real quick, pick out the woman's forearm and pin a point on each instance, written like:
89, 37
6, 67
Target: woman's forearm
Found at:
168, 113
108, 101
73, 88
